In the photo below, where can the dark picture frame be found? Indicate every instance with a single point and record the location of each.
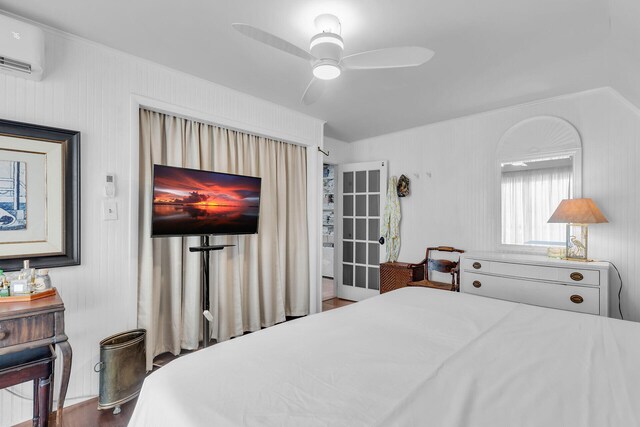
(69, 141)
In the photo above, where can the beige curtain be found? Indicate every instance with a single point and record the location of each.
(254, 284)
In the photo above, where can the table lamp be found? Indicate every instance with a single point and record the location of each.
(577, 214)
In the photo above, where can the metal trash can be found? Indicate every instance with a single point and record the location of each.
(122, 368)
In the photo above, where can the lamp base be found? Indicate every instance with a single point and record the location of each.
(577, 242)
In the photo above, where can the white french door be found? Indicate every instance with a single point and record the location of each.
(361, 192)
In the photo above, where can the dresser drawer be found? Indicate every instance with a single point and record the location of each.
(479, 265)
(579, 276)
(564, 297)
(26, 329)
(537, 272)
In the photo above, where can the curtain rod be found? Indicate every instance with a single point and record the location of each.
(326, 153)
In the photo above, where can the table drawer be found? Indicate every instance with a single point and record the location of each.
(538, 272)
(564, 297)
(26, 329)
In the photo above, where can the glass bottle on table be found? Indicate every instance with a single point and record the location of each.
(4, 287)
(25, 273)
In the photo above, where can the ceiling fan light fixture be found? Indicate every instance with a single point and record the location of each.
(326, 38)
(325, 54)
(327, 23)
(326, 71)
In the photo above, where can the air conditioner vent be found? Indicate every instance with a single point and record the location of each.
(22, 50)
(12, 64)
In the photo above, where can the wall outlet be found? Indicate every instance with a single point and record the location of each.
(109, 210)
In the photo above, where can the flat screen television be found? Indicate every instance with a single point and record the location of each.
(191, 202)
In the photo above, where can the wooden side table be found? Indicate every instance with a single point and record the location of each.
(396, 275)
(32, 325)
(31, 365)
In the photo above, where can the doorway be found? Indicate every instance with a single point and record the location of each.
(329, 185)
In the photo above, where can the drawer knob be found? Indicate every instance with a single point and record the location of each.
(477, 265)
(576, 299)
(476, 284)
(576, 276)
(3, 334)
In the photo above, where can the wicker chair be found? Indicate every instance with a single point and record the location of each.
(442, 266)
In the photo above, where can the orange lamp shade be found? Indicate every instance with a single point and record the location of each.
(577, 211)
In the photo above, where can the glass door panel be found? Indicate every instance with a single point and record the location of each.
(362, 194)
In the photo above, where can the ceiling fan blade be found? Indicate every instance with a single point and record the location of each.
(314, 91)
(393, 57)
(273, 41)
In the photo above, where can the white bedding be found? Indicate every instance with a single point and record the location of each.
(411, 357)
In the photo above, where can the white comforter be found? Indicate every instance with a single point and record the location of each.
(411, 357)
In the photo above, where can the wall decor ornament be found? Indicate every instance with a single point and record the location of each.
(39, 196)
(403, 186)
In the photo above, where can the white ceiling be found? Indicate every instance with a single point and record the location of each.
(489, 53)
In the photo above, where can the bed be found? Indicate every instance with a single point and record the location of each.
(411, 357)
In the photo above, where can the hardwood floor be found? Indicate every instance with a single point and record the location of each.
(332, 303)
(86, 414)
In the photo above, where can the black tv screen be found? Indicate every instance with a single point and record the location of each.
(190, 202)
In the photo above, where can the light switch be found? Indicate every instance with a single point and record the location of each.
(109, 210)
(110, 185)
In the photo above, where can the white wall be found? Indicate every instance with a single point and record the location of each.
(337, 150)
(89, 87)
(454, 188)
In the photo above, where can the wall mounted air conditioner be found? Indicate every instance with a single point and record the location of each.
(21, 49)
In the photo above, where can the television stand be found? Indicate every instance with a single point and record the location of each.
(205, 248)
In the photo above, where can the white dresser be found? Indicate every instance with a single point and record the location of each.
(537, 280)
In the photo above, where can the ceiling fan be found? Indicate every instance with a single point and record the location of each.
(326, 57)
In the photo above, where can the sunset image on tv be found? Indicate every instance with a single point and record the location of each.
(195, 202)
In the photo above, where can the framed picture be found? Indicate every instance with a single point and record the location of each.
(39, 196)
